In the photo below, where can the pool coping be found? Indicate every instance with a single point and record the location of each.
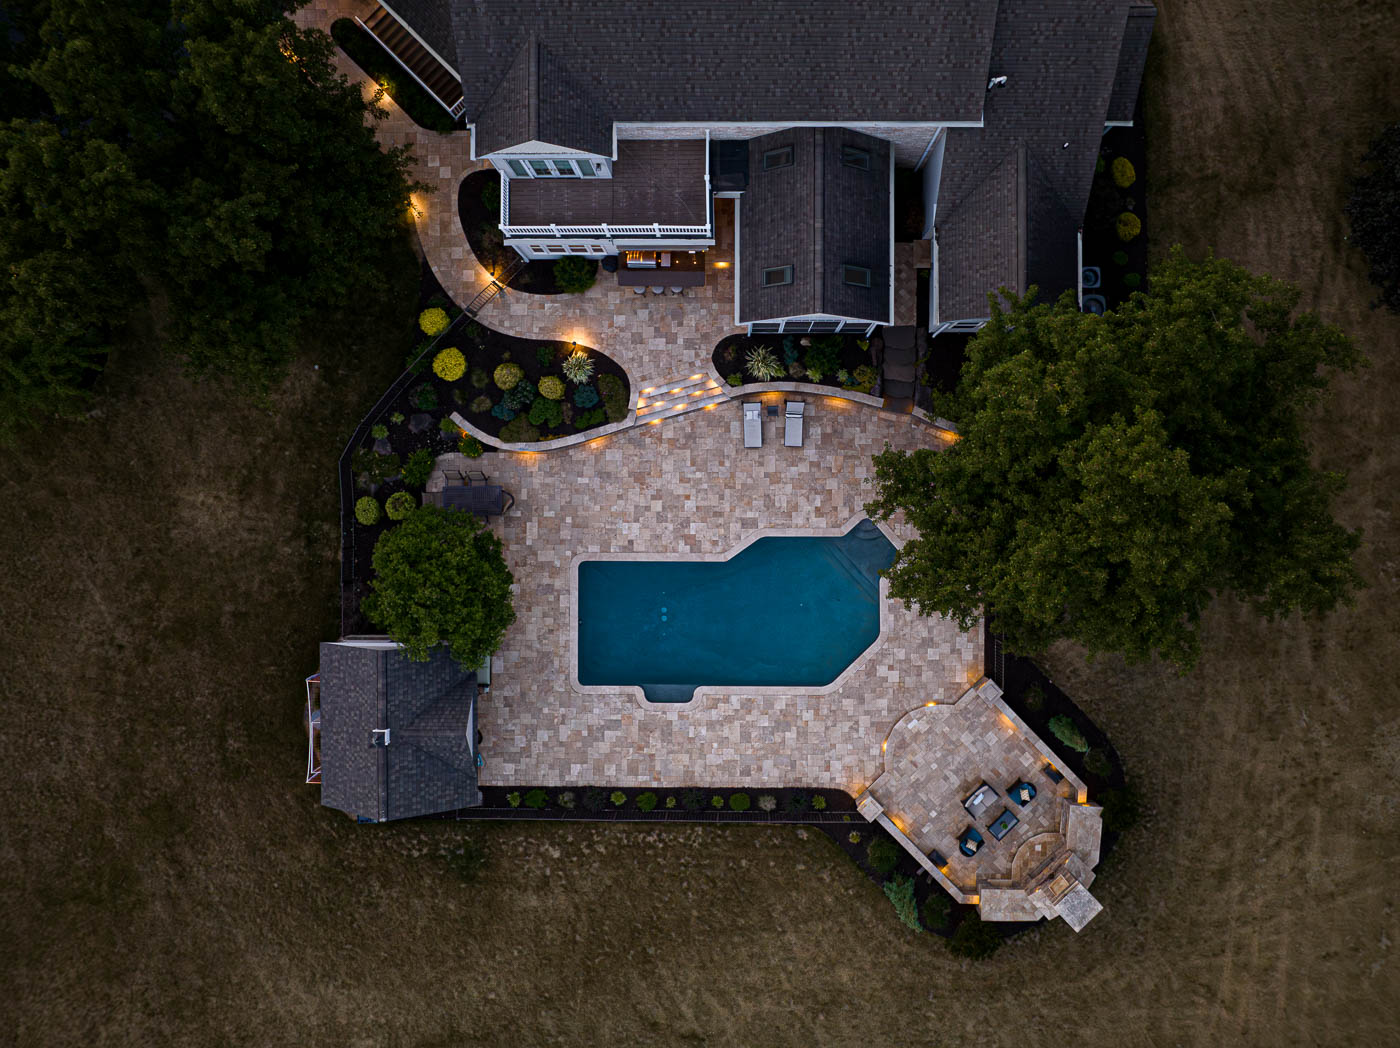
(704, 692)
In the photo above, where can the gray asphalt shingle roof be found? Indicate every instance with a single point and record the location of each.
(714, 60)
(429, 707)
(816, 215)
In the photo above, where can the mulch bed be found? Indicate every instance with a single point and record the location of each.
(366, 52)
(729, 357)
(595, 802)
(1106, 203)
(478, 210)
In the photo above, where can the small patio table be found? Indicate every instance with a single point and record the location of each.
(486, 500)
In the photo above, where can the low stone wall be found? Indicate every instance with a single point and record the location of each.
(546, 445)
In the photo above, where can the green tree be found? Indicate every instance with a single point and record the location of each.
(440, 578)
(199, 158)
(1115, 472)
(1374, 211)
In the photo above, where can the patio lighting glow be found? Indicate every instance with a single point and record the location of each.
(721, 265)
(694, 377)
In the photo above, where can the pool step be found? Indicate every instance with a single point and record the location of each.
(679, 396)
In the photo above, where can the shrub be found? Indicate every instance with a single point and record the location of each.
(844, 377)
(470, 447)
(433, 321)
(513, 799)
(1128, 226)
(1099, 165)
(547, 413)
(796, 371)
(1123, 173)
(716, 801)
(552, 387)
(900, 891)
(853, 836)
(480, 405)
(589, 418)
(797, 802)
(735, 379)
(692, 800)
(446, 425)
(974, 939)
(618, 798)
(418, 468)
(574, 276)
(536, 799)
(585, 397)
(565, 800)
(520, 397)
(646, 801)
(367, 510)
(519, 431)
(1120, 808)
(594, 799)
(396, 418)
(767, 802)
(789, 350)
(739, 801)
(815, 374)
(1097, 763)
(762, 364)
(1120, 258)
(379, 431)
(378, 468)
(1033, 698)
(670, 801)
(449, 364)
(503, 411)
(425, 398)
(614, 397)
(399, 505)
(507, 376)
(578, 367)
(824, 354)
(882, 854)
(544, 356)
(1064, 729)
(1374, 212)
(819, 803)
(479, 378)
(863, 380)
(938, 907)
(1132, 279)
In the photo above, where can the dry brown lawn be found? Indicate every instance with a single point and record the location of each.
(170, 567)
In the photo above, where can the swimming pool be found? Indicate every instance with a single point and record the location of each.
(782, 611)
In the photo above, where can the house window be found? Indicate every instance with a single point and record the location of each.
(799, 327)
(823, 326)
(541, 168)
(765, 328)
(777, 275)
(579, 249)
(518, 168)
(856, 276)
(565, 168)
(776, 158)
(586, 168)
(852, 156)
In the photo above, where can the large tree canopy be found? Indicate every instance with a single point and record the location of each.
(440, 579)
(1115, 472)
(203, 154)
(1374, 210)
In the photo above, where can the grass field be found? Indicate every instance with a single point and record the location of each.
(170, 567)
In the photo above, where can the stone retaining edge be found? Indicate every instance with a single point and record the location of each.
(546, 445)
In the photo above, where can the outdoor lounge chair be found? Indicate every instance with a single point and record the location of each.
(753, 424)
(792, 424)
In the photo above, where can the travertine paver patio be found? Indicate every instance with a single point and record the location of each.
(689, 486)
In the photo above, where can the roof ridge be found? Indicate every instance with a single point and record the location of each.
(962, 201)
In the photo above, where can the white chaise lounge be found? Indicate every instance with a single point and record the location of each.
(753, 424)
(792, 424)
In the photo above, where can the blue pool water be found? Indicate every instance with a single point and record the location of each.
(784, 611)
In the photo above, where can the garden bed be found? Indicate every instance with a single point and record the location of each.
(479, 212)
(842, 362)
(367, 53)
(1122, 264)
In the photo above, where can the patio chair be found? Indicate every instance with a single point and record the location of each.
(792, 424)
(753, 424)
(969, 842)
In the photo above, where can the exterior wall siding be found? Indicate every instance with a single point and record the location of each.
(908, 141)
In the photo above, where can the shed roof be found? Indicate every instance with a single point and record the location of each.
(429, 708)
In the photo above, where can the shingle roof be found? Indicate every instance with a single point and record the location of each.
(712, 60)
(815, 215)
(539, 99)
(1132, 58)
(429, 708)
(432, 20)
(652, 181)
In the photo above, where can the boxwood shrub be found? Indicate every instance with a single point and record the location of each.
(367, 510)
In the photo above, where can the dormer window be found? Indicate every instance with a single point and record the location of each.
(777, 276)
(776, 158)
(856, 276)
(851, 156)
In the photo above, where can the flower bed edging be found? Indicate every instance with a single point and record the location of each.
(547, 445)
